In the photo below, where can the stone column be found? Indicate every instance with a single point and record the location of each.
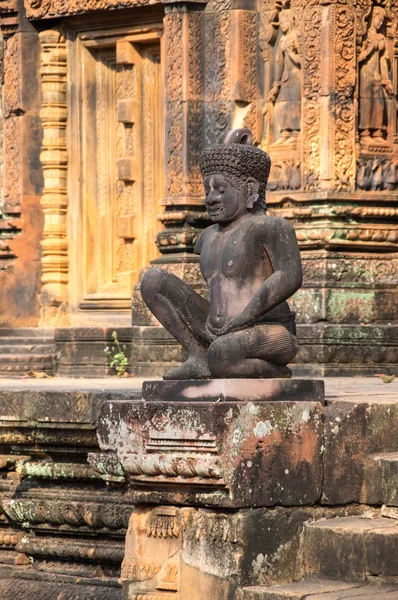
(21, 182)
(54, 158)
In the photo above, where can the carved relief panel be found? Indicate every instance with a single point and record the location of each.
(116, 112)
(281, 43)
(377, 95)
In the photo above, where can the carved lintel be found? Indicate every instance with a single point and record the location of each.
(46, 9)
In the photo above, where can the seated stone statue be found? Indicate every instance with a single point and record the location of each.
(251, 264)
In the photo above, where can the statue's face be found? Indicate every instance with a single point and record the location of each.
(224, 203)
(378, 19)
(284, 22)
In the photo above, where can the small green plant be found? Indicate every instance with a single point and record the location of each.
(117, 358)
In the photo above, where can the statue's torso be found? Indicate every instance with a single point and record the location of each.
(371, 68)
(234, 263)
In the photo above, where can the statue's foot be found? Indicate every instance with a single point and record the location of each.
(281, 372)
(193, 368)
(284, 137)
(366, 140)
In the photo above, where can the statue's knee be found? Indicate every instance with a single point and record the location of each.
(222, 355)
(151, 283)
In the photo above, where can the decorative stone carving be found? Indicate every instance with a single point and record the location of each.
(246, 329)
(42, 9)
(244, 433)
(54, 158)
(286, 89)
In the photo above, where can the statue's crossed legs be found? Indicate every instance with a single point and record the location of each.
(262, 350)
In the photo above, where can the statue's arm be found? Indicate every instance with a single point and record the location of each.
(281, 245)
(366, 50)
(274, 92)
(385, 73)
(293, 52)
(199, 243)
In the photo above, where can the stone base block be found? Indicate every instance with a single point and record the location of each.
(218, 447)
(188, 553)
(235, 390)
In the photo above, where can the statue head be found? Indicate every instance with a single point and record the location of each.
(286, 20)
(235, 176)
(378, 17)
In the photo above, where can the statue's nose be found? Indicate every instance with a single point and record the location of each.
(211, 198)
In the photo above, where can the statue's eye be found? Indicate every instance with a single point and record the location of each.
(221, 190)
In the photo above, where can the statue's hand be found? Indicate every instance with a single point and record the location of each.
(389, 89)
(272, 96)
(237, 324)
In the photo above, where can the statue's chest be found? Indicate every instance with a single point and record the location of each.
(231, 255)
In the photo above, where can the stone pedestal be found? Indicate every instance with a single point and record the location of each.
(206, 463)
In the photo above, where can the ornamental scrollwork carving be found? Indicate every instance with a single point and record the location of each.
(39, 9)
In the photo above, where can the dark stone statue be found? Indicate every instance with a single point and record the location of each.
(251, 264)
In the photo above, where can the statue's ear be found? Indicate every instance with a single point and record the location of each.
(252, 192)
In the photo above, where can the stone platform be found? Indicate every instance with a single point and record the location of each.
(63, 524)
(227, 443)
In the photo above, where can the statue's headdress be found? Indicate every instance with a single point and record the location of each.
(238, 160)
(379, 10)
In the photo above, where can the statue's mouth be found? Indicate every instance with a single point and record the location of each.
(215, 210)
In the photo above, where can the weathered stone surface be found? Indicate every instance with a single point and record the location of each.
(61, 528)
(216, 453)
(80, 350)
(202, 553)
(354, 549)
(235, 390)
(354, 433)
(25, 585)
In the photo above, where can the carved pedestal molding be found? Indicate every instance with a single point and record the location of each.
(54, 158)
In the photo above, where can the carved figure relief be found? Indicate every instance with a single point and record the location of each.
(282, 54)
(375, 86)
(286, 90)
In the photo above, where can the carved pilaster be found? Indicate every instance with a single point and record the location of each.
(183, 25)
(54, 158)
(343, 108)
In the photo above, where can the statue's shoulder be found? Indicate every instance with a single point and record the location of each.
(203, 236)
(274, 224)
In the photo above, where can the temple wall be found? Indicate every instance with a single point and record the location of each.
(105, 112)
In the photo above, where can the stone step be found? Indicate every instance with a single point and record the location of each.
(32, 347)
(355, 431)
(352, 549)
(380, 479)
(28, 332)
(19, 341)
(320, 590)
(14, 365)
